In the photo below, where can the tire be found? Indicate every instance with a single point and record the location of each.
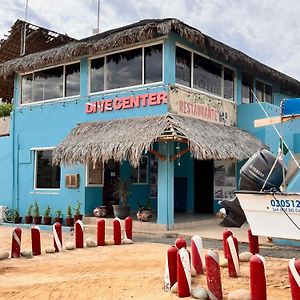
(8, 216)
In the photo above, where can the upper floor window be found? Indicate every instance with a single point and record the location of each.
(127, 68)
(264, 92)
(183, 66)
(206, 74)
(247, 87)
(52, 83)
(47, 176)
(140, 174)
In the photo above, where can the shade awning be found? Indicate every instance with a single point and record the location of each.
(127, 139)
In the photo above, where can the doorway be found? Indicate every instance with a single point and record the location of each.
(204, 186)
(111, 175)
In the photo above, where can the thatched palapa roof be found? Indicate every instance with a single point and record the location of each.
(143, 31)
(127, 139)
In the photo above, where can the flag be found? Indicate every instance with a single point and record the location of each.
(283, 146)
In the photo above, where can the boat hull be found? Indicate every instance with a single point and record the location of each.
(271, 214)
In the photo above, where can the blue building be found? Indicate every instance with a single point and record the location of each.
(156, 102)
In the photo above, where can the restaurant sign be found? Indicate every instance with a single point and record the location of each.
(131, 102)
(202, 106)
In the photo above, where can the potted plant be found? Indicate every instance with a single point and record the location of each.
(37, 219)
(47, 216)
(77, 214)
(69, 218)
(16, 216)
(121, 193)
(144, 213)
(58, 216)
(28, 217)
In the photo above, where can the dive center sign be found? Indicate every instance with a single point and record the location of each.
(131, 102)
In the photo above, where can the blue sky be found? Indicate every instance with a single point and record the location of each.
(266, 30)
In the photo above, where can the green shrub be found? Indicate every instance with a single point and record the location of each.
(5, 109)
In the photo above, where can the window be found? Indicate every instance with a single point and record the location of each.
(72, 80)
(247, 86)
(183, 66)
(27, 88)
(264, 92)
(153, 64)
(48, 84)
(207, 75)
(97, 75)
(228, 84)
(52, 83)
(140, 174)
(94, 174)
(124, 69)
(47, 176)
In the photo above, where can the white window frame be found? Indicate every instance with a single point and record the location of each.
(222, 75)
(36, 150)
(147, 173)
(87, 184)
(49, 100)
(143, 84)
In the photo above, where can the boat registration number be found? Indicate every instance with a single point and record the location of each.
(286, 205)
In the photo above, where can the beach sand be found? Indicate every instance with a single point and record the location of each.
(111, 272)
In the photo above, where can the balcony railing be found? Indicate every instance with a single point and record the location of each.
(4, 126)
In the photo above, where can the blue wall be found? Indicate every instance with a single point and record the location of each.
(6, 171)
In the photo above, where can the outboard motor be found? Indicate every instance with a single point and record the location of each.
(253, 175)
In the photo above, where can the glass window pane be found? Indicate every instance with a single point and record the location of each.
(260, 90)
(27, 88)
(95, 173)
(124, 69)
(183, 66)
(97, 75)
(72, 80)
(47, 176)
(228, 84)
(134, 175)
(246, 89)
(153, 63)
(48, 84)
(207, 75)
(143, 178)
(268, 93)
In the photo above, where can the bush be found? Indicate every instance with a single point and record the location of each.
(5, 109)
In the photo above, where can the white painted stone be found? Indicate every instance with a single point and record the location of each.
(26, 253)
(70, 246)
(50, 250)
(174, 288)
(4, 255)
(223, 262)
(245, 256)
(90, 243)
(239, 294)
(199, 293)
(127, 241)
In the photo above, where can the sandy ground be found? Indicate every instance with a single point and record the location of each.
(111, 272)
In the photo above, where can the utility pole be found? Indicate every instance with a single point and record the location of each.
(23, 36)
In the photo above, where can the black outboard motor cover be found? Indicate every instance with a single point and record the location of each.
(252, 177)
(256, 170)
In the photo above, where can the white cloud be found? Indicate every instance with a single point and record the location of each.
(266, 30)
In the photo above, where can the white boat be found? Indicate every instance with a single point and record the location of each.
(269, 211)
(272, 214)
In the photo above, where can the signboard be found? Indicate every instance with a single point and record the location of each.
(130, 102)
(199, 105)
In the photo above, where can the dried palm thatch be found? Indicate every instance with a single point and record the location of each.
(144, 31)
(127, 139)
